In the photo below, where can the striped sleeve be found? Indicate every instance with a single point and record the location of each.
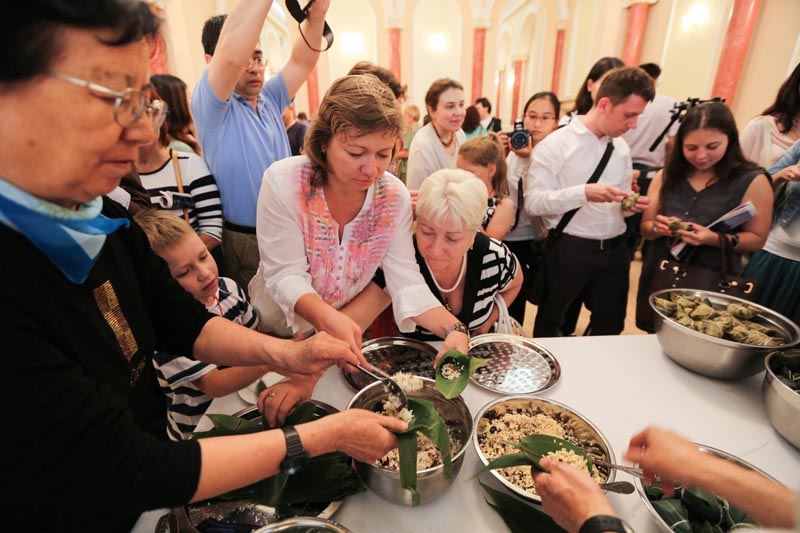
(198, 181)
(234, 305)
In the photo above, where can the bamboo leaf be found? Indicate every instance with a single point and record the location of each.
(674, 514)
(519, 516)
(426, 420)
(233, 425)
(505, 461)
(451, 388)
(701, 503)
(537, 446)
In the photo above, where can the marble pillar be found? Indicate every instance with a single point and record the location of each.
(478, 51)
(558, 56)
(634, 34)
(395, 44)
(734, 51)
(312, 84)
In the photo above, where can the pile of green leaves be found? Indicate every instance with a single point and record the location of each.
(519, 516)
(426, 420)
(450, 388)
(787, 368)
(693, 510)
(325, 478)
(532, 448)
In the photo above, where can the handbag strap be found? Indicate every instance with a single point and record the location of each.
(179, 180)
(598, 171)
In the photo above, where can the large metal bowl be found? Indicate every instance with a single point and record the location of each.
(662, 525)
(782, 403)
(713, 357)
(315, 525)
(431, 482)
(584, 432)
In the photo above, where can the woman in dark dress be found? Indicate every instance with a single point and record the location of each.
(705, 176)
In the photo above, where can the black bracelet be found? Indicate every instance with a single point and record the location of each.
(734, 240)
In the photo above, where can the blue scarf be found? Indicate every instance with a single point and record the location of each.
(72, 240)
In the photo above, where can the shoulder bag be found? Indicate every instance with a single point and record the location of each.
(536, 289)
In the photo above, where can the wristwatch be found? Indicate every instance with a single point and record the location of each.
(603, 522)
(296, 456)
(460, 327)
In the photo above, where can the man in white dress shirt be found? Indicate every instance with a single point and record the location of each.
(490, 123)
(590, 257)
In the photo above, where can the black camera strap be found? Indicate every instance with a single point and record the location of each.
(598, 171)
(298, 14)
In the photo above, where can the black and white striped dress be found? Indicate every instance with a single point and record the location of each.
(206, 215)
(490, 268)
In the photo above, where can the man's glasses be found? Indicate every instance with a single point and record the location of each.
(257, 62)
(129, 104)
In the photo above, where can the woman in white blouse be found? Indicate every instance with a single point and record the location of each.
(328, 220)
(436, 144)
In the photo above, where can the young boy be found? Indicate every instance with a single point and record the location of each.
(191, 385)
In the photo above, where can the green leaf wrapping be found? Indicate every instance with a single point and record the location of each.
(674, 514)
(701, 504)
(325, 478)
(451, 388)
(519, 516)
(537, 446)
(426, 420)
(505, 461)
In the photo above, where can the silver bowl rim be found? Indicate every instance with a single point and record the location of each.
(639, 483)
(303, 521)
(380, 342)
(527, 342)
(793, 331)
(771, 372)
(453, 458)
(514, 488)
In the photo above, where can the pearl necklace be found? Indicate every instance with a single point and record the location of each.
(458, 281)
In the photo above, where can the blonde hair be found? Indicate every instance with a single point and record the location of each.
(413, 111)
(357, 105)
(163, 229)
(453, 197)
(485, 150)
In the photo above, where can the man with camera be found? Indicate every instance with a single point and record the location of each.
(577, 181)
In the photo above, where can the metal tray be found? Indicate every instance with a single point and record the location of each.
(582, 432)
(395, 354)
(517, 365)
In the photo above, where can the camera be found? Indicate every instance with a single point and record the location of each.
(520, 136)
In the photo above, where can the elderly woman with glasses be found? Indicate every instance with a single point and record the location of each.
(88, 302)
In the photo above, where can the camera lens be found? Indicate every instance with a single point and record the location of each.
(519, 139)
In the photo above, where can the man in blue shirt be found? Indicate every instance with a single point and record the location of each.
(238, 117)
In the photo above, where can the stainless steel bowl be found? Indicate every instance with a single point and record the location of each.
(782, 403)
(663, 526)
(304, 523)
(431, 482)
(713, 357)
(588, 436)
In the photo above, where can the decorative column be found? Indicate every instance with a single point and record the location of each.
(157, 44)
(634, 34)
(737, 40)
(394, 51)
(313, 93)
(501, 80)
(478, 50)
(519, 63)
(558, 57)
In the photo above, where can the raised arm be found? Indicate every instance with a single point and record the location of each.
(303, 58)
(236, 43)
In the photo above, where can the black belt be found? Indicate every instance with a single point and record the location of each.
(237, 228)
(598, 244)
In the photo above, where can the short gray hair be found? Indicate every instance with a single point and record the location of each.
(453, 197)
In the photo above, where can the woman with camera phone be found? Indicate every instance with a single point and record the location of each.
(539, 119)
(436, 144)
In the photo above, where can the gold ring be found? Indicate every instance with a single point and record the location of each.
(270, 394)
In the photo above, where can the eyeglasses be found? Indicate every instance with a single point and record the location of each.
(258, 63)
(129, 104)
(541, 118)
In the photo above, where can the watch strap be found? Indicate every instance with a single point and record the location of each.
(460, 327)
(295, 453)
(603, 522)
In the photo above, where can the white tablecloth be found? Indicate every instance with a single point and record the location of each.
(621, 384)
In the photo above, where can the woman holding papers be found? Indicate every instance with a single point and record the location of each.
(705, 177)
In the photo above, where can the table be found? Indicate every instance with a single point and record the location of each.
(621, 384)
